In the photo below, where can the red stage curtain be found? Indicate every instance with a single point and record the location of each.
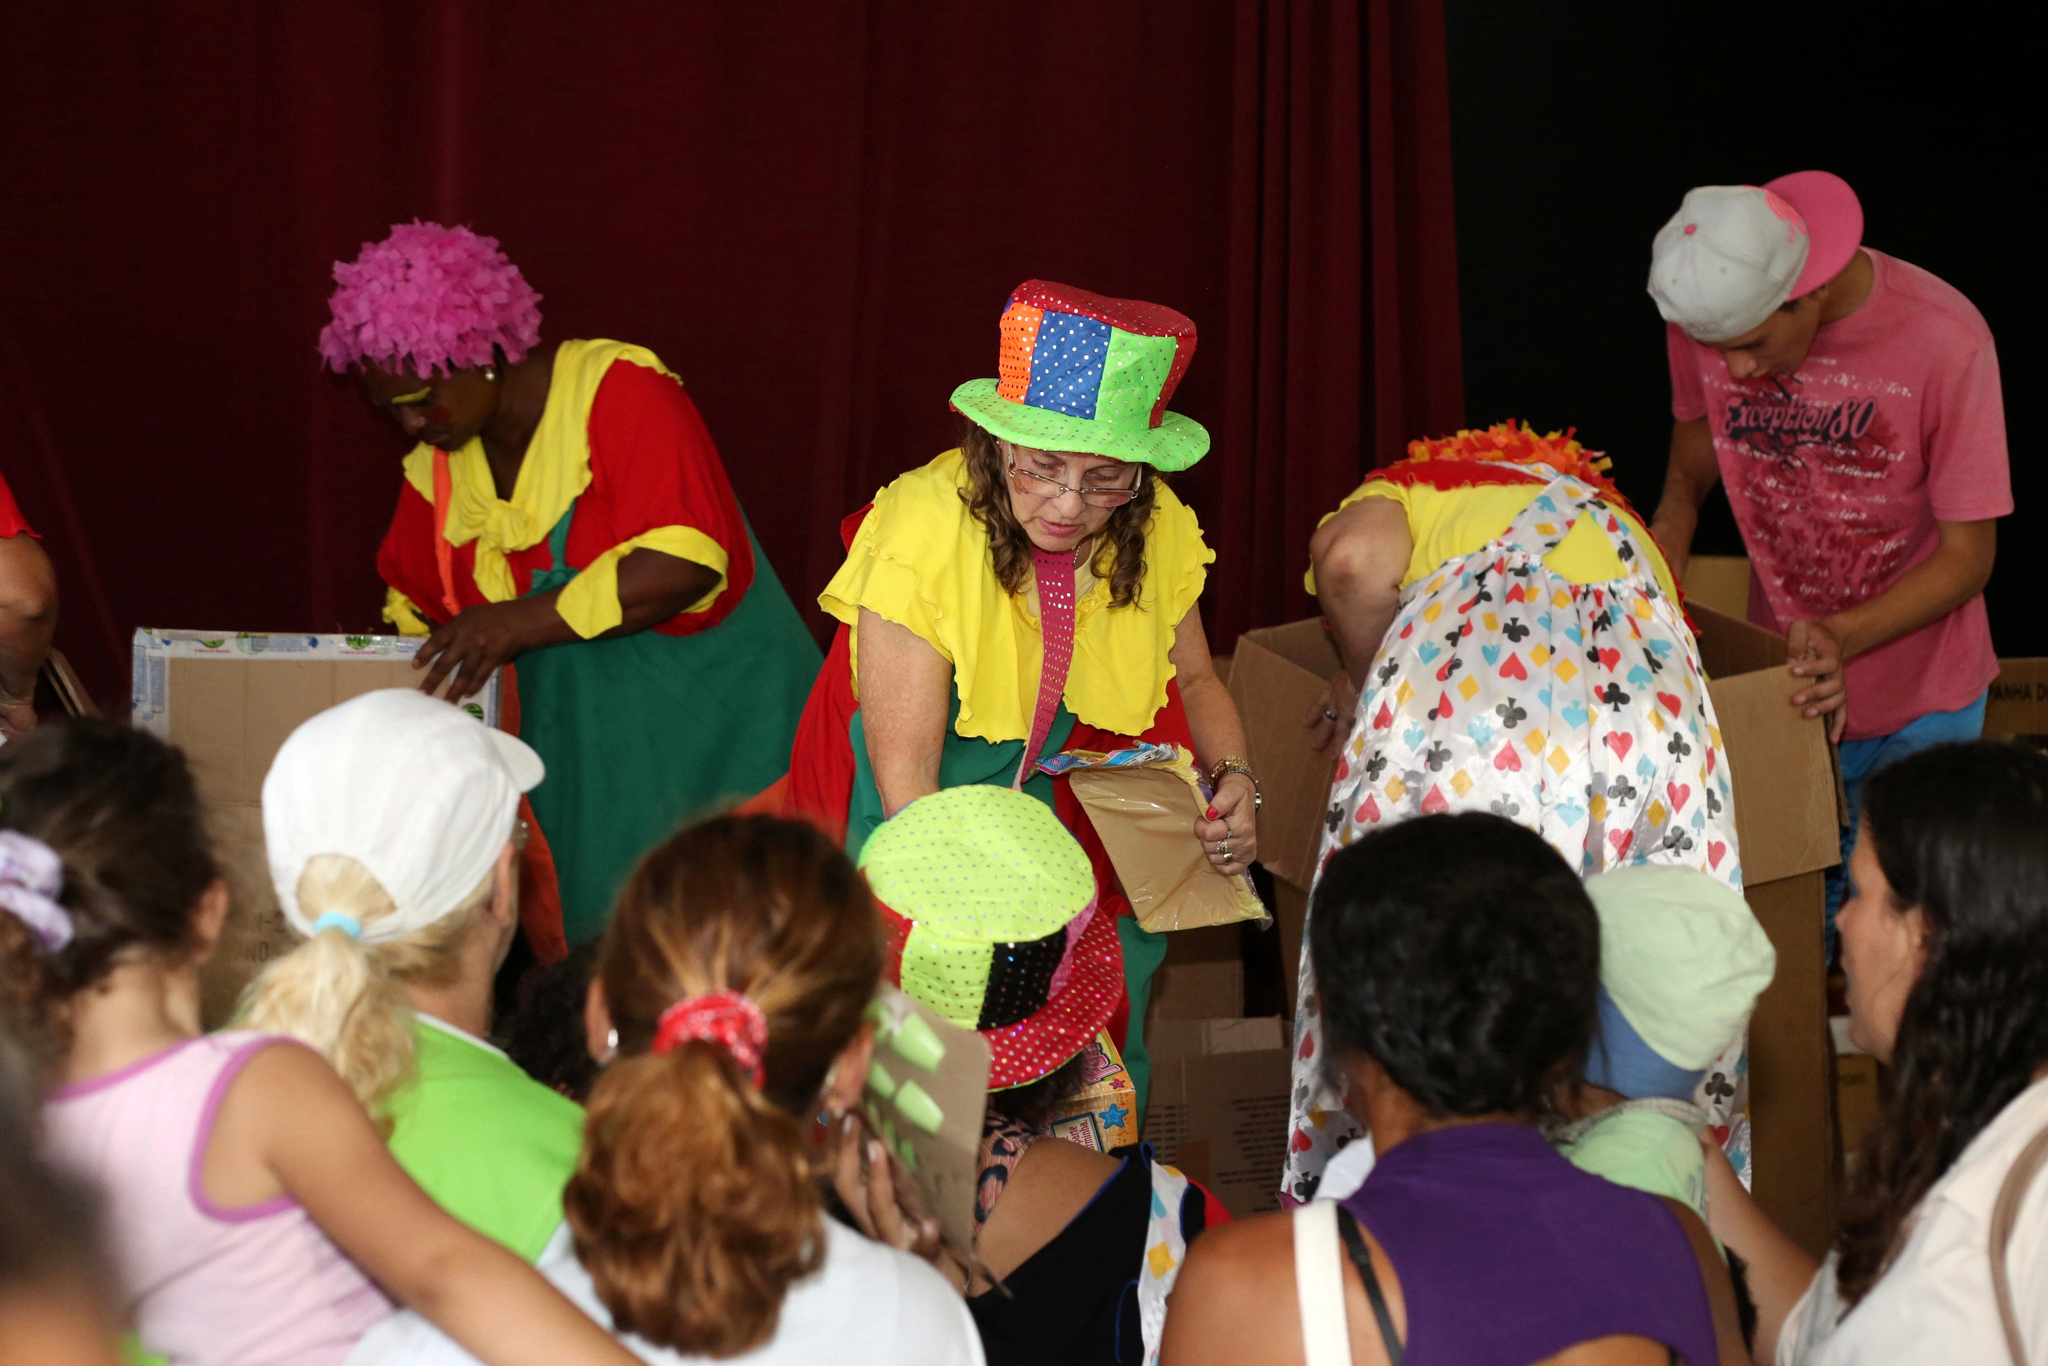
(812, 211)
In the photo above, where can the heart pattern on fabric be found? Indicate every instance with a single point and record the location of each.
(1578, 711)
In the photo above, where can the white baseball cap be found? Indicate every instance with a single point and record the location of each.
(416, 790)
(1727, 260)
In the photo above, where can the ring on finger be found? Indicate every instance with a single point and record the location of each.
(1329, 715)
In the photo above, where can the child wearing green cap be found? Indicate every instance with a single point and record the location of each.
(1682, 961)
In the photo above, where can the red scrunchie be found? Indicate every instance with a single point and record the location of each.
(728, 1018)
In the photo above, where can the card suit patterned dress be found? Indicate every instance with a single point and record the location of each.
(1576, 709)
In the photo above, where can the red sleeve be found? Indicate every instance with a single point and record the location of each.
(1688, 399)
(1969, 475)
(12, 523)
(406, 559)
(652, 464)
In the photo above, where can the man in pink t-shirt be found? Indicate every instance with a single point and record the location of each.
(1851, 403)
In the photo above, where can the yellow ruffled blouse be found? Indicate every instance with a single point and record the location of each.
(922, 560)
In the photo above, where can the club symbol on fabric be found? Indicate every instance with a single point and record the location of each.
(1620, 791)
(1375, 766)
(1677, 841)
(1387, 672)
(1677, 746)
(1719, 1088)
(1510, 714)
(1505, 808)
(1713, 802)
(1514, 629)
(1437, 756)
(1613, 696)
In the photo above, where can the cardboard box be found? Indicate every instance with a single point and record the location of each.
(1218, 1108)
(1202, 977)
(1787, 812)
(1788, 816)
(1276, 675)
(229, 700)
(1719, 583)
(2019, 699)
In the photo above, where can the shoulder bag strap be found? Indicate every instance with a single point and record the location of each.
(1319, 1285)
(2004, 1215)
(1361, 1257)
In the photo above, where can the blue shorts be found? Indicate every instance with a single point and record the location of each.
(1861, 758)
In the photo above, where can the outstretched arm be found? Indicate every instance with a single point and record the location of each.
(290, 1110)
(28, 619)
(1688, 479)
(905, 685)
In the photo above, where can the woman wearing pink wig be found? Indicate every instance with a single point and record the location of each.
(564, 506)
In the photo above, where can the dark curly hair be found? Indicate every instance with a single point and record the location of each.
(1959, 833)
(1462, 955)
(1119, 555)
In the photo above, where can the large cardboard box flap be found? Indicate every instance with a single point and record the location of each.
(1276, 675)
(229, 699)
(2018, 704)
(1787, 813)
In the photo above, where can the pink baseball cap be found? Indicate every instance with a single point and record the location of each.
(1834, 223)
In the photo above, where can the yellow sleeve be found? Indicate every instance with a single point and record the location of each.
(399, 611)
(1371, 488)
(921, 560)
(590, 601)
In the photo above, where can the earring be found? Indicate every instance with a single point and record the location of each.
(611, 1045)
(491, 373)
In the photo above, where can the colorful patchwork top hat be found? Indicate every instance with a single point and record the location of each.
(1081, 372)
(989, 907)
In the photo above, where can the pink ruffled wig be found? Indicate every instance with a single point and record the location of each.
(432, 297)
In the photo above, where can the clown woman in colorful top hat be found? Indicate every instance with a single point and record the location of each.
(565, 507)
(1034, 591)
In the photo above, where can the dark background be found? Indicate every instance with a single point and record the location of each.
(1577, 128)
(812, 210)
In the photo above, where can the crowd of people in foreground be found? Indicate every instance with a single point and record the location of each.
(351, 1173)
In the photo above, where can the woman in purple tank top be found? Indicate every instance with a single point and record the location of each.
(1457, 962)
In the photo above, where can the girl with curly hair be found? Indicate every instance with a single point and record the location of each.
(1032, 591)
(564, 507)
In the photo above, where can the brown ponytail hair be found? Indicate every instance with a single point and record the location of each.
(119, 809)
(693, 1206)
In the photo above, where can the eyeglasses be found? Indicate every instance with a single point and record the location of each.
(1024, 481)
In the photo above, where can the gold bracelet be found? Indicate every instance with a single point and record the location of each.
(1231, 763)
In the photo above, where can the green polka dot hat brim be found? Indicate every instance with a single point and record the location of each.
(990, 917)
(1083, 372)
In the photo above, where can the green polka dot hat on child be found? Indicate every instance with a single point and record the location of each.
(1080, 372)
(989, 910)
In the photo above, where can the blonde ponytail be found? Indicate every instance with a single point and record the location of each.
(694, 1206)
(347, 999)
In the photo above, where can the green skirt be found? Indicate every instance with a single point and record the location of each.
(645, 732)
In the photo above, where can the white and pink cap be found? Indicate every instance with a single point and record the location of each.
(1733, 254)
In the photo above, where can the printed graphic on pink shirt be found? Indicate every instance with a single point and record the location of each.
(1838, 473)
(1821, 479)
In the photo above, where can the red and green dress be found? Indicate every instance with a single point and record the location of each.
(642, 731)
(917, 557)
